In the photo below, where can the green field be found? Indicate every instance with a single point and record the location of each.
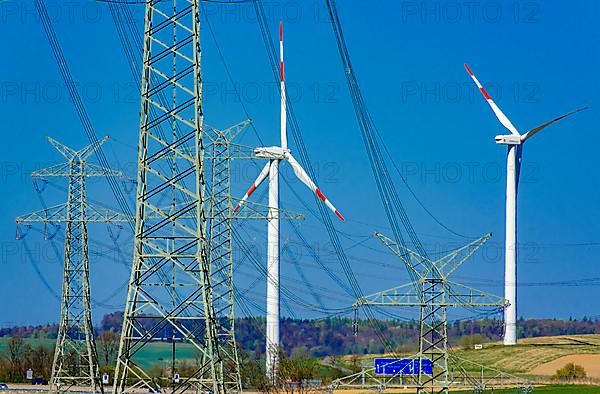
(159, 353)
(568, 389)
(30, 341)
(156, 353)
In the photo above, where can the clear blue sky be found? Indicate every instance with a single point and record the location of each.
(538, 59)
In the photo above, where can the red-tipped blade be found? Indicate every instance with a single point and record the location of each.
(261, 177)
(280, 31)
(499, 114)
(304, 178)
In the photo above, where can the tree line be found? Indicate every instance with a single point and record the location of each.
(303, 340)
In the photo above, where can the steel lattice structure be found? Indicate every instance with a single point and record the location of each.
(170, 294)
(75, 358)
(220, 152)
(220, 251)
(432, 292)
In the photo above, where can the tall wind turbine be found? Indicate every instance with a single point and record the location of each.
(514, 141)
(275, 154)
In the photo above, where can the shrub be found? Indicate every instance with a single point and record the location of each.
(570, 372)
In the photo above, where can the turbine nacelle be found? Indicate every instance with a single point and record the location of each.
(271, 153)
(508, 139)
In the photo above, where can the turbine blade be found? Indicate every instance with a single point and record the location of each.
(499, 114)
(541, 127)
(261, 177)
(283, 114)
(303, 176)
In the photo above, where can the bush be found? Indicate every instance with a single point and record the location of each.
(570, 372)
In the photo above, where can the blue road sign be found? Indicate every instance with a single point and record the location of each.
(402, 366)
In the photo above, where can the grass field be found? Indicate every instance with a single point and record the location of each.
(156, 353)
(532, 352)
(32, 342)
(520, 359)
(160, 353)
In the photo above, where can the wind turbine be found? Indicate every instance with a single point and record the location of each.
(514, 142)
(276, 154)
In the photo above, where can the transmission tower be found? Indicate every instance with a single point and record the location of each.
(220, 250)
(221, 151)
(170, 294)
(75, 358)
(432, 292)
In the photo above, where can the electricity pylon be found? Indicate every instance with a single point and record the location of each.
(221, 151)
(170, 293)
(75, 358)
(432, 292)
(220, 251)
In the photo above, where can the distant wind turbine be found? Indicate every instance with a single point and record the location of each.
(514, 142)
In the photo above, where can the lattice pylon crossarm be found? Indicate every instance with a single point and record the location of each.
(225, 136)
(458, 295)
(59, 214)
(416, 264)
(86, 152)
(454, 259)
(399, 295)
(67, 152)
(236, 151)
(80, 155)
(257, 211)
(88, 170)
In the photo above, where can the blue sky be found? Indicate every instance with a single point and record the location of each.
(538, 60)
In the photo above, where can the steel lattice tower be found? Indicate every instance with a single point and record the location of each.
(220, 247)
(432, 292)
(221, 151)
(170, 295)
(75, 358)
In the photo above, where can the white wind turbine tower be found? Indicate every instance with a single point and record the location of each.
(275, 154)
(514, 141)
